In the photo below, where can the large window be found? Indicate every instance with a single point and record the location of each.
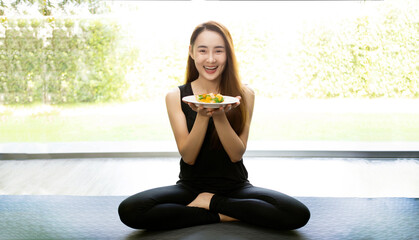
(324, 73)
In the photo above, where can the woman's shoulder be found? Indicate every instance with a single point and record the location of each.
(249, 93)
(173, 94)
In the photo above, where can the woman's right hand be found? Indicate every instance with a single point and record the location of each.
(200, 110)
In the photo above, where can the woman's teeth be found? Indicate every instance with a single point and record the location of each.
(210, 68)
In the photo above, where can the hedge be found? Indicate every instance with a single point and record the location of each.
(371, 56)
(69, 59)
(57, 60)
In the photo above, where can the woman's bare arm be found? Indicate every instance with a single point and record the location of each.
(189, 144)
(235, 145)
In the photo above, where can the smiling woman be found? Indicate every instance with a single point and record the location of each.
(213, 185)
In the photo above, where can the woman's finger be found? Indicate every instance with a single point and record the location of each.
(193, 107)
(237, 103)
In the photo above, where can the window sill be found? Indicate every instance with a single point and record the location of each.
(297, 149)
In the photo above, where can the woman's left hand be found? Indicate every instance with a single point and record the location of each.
(221, 110)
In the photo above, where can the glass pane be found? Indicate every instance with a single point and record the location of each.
(323, 72)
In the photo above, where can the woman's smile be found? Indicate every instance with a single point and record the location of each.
(210, 70)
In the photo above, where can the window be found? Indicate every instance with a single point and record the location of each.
(327, 75)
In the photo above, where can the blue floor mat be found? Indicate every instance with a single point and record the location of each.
(95, 217)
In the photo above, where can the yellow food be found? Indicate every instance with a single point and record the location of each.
(210, 98)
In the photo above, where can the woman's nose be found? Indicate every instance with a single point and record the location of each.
(211, 58)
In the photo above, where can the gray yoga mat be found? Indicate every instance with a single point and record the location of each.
(95, 217)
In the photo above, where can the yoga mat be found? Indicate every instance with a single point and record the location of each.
(95, 217)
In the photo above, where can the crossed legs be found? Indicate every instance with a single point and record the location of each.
(176, 207)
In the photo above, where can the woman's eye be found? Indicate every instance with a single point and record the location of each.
(201, 51)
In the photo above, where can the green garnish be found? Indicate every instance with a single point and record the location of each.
(219, 100)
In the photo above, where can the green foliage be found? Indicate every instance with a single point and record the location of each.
(58, 60)
(51, 8)
(369, 57)
(66, 59)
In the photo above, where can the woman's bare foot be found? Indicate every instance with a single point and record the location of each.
(225, 218)
(202, 200)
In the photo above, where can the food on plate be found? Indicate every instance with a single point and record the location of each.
(210, 98)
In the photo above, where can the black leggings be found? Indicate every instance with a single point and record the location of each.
(165, 208)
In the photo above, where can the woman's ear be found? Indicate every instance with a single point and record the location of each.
(191, 52)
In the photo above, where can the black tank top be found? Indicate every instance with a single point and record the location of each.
(213, 170)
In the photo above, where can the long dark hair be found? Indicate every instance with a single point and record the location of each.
(230, 84)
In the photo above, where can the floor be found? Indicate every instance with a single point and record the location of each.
(326, 177)
(96, 218)
(375, 198)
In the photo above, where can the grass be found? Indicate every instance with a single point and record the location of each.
(80, 128)
(89, 122)
(373, 127)
(139, 122)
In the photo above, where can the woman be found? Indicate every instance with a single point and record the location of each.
(213, 185)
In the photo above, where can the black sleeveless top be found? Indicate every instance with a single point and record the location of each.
(213, 170)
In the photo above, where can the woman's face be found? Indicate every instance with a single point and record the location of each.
(209, 54)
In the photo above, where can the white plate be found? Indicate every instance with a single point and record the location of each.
(227, 100)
